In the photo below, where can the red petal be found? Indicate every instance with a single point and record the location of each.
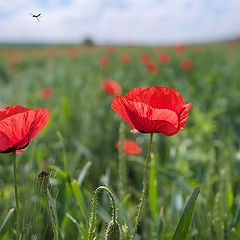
(119, 107)
(158, 97)
(134, 130)
(17, 130)
(12, 110)
(183, 116)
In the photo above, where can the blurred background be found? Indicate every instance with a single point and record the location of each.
(73, 59)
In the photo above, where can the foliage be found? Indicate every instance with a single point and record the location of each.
(79, 142)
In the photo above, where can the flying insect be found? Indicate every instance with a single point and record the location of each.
(36, 16)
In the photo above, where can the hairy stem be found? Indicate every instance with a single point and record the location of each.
(16, 191)
(93, 215)
(145, 181)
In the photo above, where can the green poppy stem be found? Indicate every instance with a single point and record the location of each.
(93, 215)
(145, 182)
(16, 191)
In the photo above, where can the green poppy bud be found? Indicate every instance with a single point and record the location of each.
(113, 231)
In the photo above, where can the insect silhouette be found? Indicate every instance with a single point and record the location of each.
(36, 16)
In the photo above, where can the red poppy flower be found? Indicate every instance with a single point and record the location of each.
(103, 61)
(233, 43)
(45, 93)
(154, 109)
(19, 125)
(73, 52)
(110, 49)
(186, 64)
(51, 52)
(125, 58)
(163, 58)
(145, 58)
(130, 147)
(111, 87)
(179, 48)
(152, 67)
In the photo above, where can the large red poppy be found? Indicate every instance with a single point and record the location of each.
(130, 147)
(19, 125)
(154, 109)
(111, 87)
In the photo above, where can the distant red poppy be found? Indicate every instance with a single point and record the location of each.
(130, 147)
(145, 58)
(158, 48)
(125, 58)
(45, 93)
(179, 48)
(111, 87)
(196, 48)
(164, 57)
(152, 67)
(186, 64)
(131, 47)
(103, 61)
(233, 43)
(153, 109)
(38, 54)
(19, 125)
(51, 52)
(14, 56)
(72, 52)
(110, 49)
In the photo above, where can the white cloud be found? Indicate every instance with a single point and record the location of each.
(140, 21)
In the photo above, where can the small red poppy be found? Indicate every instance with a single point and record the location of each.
(103, 61)
(152, 67)
(164, 57)
(179, 48)
(111, 87)
(186, 64)
(110, 49)
(51, 53)
(233, 43)
(145, 58)
(130, 147)
(125, 58)
(19, 125)
(45, 93)
(153, 109)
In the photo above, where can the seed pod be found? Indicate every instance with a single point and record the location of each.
(44, 180)
(113, 231)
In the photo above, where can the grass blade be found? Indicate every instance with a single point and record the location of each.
(80, 200)
(83, 172)
(6, 224)
(186, 218)
(79, 227)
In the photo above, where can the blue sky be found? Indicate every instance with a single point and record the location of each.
(119, 21)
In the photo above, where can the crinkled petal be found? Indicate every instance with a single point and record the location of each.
(17, 130)
(184, 114)
(12, 110)
(119, 107)
(158, 97)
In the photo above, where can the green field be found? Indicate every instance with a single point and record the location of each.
(79, 141)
